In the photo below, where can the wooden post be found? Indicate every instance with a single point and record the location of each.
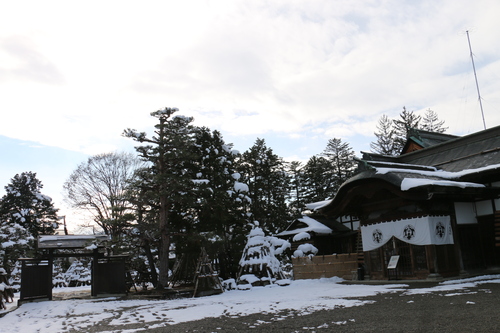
(50, 272)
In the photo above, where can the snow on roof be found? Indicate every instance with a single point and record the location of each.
(446, 177)
(317, 205)
(70, 241)
(409, 183)
(312, 226)
(397, 165)
(439, 173)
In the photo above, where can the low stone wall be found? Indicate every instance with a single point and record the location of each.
(342, 265)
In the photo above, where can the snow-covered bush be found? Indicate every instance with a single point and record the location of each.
(259, 265)
(305, 250)
(15, 241)
(78, 275)
(229, 284)
(6, 291)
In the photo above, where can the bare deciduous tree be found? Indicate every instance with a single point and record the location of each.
(98, 186)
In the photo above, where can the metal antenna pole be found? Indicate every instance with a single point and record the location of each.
(477, 84)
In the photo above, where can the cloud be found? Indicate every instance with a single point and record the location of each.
(21, 61)
(281, 68)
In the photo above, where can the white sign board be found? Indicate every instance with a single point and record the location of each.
(393, 262)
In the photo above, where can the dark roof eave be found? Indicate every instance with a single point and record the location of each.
(349, 190)
(465, 194)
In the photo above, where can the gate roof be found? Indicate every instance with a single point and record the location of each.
(72, 241)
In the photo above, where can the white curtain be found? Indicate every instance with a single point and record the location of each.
(427, 230)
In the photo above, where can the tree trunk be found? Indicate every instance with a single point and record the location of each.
(152, 267)
(164, 244)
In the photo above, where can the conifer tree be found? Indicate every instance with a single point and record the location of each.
(297, 199)
(25, 213)
(407, 121)
(385, 137)
(15, 242)
(259, 265)
(319, 183)
(221, 204)
(341, 158)
(170, 153)
(265, 174)
(25, 205)
(78, 274)
(431, 122)
(392, 134)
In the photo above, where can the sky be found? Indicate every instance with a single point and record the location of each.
(301, 297)
(74, 75)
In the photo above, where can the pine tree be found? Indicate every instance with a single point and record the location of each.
(408, 120)
(265, 174)
(319, 184)
(15, 242)
(221, 203)
(431, 122)
(385, 137)
(341, 158)
(25, 205)
(392, 134)
(170, 152)
(215, 179)
(78, 275)
(297, 186)
(25, 213)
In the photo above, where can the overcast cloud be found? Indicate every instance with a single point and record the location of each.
(296, 73)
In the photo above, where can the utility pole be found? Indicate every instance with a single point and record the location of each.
(477, 84)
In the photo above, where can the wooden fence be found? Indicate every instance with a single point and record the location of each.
(342, 265)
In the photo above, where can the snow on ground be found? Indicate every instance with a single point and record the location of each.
(301, 296)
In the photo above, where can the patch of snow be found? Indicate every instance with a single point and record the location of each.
(312, 225)
(303, 296)
(200, 181)
(440, 173)
(307, 249)
(317, 205)
(240, 187)
(301, 236)
(409, 183)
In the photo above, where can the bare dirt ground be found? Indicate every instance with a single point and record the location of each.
(475, 309)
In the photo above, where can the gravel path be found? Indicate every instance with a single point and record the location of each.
(475, 309)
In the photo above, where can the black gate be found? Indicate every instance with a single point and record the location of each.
(108, 273)
(108, 276)
(36, 279)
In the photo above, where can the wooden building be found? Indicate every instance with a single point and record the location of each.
(436, 205)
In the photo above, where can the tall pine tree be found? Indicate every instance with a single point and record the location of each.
(408, 120)
(25, 205)
(220, 209)
(266, 176)
(318, 181)
(25, 213)
(431, 122)
(341, 158)
(385, 137)
(170, 152)
(297, 200)
(392, 134)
